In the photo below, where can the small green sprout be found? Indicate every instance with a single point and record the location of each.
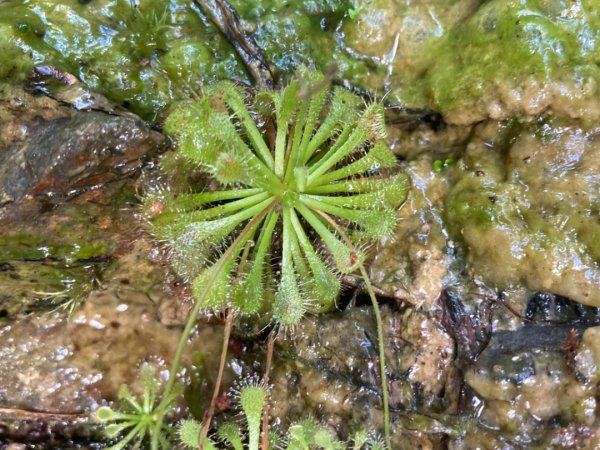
(251, 397)
(438, 164)
(231, 435)
(189, 434)
(139, 417)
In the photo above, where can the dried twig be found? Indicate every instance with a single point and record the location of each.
(226, 18)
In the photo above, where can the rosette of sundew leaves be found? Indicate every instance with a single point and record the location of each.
(286, 222)
(303, 183)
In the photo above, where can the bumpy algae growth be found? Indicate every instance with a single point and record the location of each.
(143, 53)
(472, 60)
(526, 205)
(148, 53)
(518, 57)
(304, 33)
(467, 59)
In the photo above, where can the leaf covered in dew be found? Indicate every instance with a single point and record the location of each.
(229, 169)
(377, 157)
(377, 226)
(325, 162)
(212, 285)
(231, 434)
(189, 432)
(104, 414)
(342, 111)
(372, 121)
(290, 304)
(252, 399)
(180, 117)
(324, 284)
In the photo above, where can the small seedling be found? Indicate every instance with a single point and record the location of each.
(139, 417)
(306, 434)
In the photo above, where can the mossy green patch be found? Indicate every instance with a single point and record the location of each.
(146, 54)
(38, 275)
(507, 44)
(142, 53)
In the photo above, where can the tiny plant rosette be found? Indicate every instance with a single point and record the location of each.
(303, 182)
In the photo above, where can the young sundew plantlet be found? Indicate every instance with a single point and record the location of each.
(304, 184)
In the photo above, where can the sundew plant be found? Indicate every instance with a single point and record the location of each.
(302, 183)
(294, 209)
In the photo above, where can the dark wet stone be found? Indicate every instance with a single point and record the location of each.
(547, 307)
(51, 149)
(531, 337)
(329, 368)
(6, 267)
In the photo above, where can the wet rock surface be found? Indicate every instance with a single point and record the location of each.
(48, 147)
(462, 355)
(341, 389)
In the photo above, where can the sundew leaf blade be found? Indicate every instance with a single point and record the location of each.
(342, 111)
(346, 259)
(212, 285)
(289, 306)
(361, 185)
(378, 157)
(325, 284)
(167, 202)
(233, 96)
(249, 295)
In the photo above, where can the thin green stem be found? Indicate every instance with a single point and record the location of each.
(185, 202)
(285, 106)
(292, 158)
(252, 211)
(286, 251)
(379, 157)
(130, 435)
(216, 211)
(316, 106)
(280, 143)
(340, 114)
(380, 341)
(355, 215)
(344, 255)
(265, 236)
(237, 104)
(340, 139)
(384, 382)
(356, 185)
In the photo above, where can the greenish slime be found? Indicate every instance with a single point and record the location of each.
(142, 55)
(38, 275)
(27, 247)
(147, 54)
(505, 41)
(525, 203)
